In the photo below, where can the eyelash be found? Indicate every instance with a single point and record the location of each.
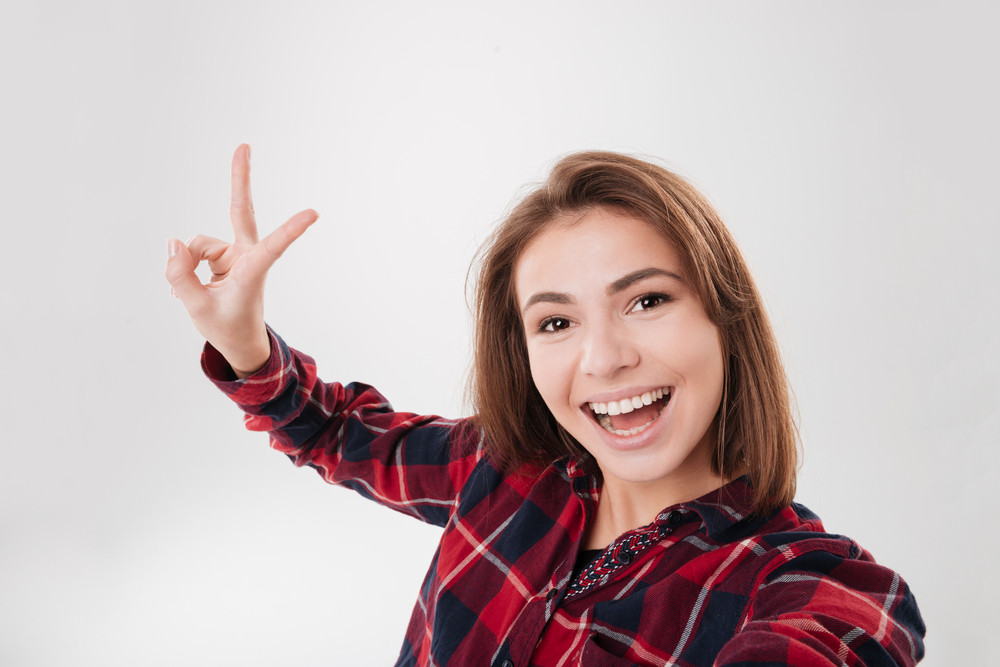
(659, 297)
(544, 325)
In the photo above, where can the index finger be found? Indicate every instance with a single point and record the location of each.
(241, 203)
(272, 246)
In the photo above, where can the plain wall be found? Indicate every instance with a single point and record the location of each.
(850, 146)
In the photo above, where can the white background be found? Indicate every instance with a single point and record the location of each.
(851, 147)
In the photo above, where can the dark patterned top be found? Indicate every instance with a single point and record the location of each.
(705, 584)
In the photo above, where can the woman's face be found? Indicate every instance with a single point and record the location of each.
(621, 349)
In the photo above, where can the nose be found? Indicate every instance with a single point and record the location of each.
(607, 349)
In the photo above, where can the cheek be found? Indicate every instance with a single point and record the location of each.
(703, 362)
(550, 376)
(713, 367)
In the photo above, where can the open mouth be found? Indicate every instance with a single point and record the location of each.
(631, 416)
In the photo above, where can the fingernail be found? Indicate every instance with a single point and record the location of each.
(173, 293)
(248, 153)
(171, 248)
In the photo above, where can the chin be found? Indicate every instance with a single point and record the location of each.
(655, 457)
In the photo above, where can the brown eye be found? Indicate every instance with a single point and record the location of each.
(650, 301)
(554, 324)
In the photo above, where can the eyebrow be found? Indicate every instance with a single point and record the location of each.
(616, 286)
(627, 281)
(548, 297)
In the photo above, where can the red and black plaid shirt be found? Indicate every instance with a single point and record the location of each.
(704, 584)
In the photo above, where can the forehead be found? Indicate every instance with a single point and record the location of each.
(599, 247)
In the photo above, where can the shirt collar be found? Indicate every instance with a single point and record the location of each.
(719, 510)
(724, 507)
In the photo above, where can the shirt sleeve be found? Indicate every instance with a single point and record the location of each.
(826, 602)
(351, 435)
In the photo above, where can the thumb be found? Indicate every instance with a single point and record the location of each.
(184, 282)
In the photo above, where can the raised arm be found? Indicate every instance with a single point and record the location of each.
(349, 434)
(229, 310)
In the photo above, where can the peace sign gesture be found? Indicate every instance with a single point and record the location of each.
(229, 310)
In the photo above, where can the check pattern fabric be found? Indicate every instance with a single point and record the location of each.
(706, 583)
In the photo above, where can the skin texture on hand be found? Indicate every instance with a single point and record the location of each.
(229, 310)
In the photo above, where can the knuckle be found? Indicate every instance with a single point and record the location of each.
(269, 246)
(172, 272)
(196, 308)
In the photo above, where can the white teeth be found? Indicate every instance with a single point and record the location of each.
(605, 411)
(627, 405)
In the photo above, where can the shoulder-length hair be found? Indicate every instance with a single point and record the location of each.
(757, 436)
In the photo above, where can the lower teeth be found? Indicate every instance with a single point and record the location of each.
(605, 422)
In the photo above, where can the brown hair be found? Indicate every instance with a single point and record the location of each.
(757, 434)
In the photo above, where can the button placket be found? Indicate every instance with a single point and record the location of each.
(618, 555)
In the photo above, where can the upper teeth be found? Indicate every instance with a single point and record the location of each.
(627, 405)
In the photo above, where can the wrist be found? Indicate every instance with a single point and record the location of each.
(247, 360)
(247, 369)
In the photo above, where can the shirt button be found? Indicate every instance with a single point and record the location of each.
(507, 663)
(675, 517)
(552, 593)
(624, 558)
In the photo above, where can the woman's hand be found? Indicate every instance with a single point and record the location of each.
(229, 310)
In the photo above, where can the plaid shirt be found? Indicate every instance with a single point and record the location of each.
(703, 584)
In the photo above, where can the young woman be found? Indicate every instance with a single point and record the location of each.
(624, 494)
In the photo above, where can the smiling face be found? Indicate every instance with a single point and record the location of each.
(622, 352)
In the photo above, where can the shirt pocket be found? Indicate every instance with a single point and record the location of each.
(596, 655)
